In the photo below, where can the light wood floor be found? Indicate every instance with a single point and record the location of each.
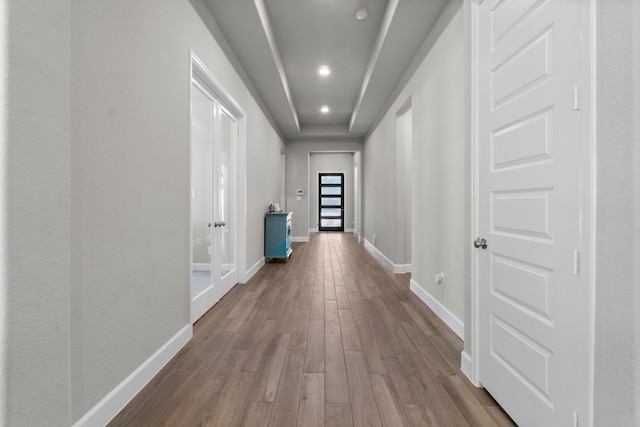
(330, 338)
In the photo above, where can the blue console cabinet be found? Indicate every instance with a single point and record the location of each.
(277, 235)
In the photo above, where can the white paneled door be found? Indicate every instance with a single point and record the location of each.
(533, 331)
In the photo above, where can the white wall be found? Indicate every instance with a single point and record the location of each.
(403, 192)
(331, 162)
(297, 177)
(130, 182)
(617, 352)
(440, 210)
(34, 213)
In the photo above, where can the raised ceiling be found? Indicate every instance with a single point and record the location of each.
(279, 45)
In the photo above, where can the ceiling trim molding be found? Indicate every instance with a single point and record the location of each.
(382, 35)
(434, 34)
(268, 30)
(206, 16)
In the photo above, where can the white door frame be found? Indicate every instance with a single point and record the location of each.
(200, 73)
(470, 363)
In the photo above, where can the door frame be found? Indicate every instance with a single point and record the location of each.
(200, 73)
(470, 358)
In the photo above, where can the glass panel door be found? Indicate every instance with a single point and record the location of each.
(331, 202)
(214, 186)
(202, 109)
(226, 201)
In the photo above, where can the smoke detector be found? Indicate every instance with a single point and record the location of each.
(361, 14)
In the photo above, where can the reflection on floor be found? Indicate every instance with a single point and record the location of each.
(200, 280)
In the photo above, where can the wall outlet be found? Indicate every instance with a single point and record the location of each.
(440, 279)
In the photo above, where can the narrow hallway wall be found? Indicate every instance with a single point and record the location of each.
(617, 309)
(35, 221)
(440, 164)
(130, 183)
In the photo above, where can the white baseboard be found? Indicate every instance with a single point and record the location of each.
(118, 398)
(200, 267)
(313, 230)
(254, 269)
(375, 251)
(402, 268)
(439, 309)
(466, 367)
(300, 239)
(396, 268)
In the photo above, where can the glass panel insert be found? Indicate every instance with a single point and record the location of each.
(330, 212)
(331, 179)
(330, 222)
(330, 201)
(226, 185)
(331, 191)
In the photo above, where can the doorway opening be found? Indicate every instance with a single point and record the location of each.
(216, 138)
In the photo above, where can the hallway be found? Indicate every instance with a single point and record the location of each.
(329, 338)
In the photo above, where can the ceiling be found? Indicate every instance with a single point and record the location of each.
(278, 46)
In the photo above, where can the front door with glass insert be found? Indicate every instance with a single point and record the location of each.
(331, 202)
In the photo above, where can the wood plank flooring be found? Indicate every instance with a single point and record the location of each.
(329, 338)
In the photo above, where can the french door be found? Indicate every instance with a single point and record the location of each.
(331, 202)
(533, 321)
(214, 201)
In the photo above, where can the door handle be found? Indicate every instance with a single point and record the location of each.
(480, 243)
(219, 224)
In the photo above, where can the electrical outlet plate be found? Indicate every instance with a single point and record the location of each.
(440, 279)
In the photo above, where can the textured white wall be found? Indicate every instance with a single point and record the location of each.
(357, 192)
(440, 173)
(379, 168)
(130, 181)
(34, 213)
(297, 177)
(617, 353)
(331, 162)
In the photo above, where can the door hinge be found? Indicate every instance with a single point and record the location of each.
(576, 97)
(575, 419)
(576, 262)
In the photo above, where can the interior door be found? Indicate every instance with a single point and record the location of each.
(331, 202)
(533, 342)
(225, 218)
(213, 200)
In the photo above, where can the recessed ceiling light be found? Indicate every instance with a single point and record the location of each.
(324, 109)
(324, 70)
(362, 13)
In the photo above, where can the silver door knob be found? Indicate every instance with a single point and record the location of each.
(480, 243)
